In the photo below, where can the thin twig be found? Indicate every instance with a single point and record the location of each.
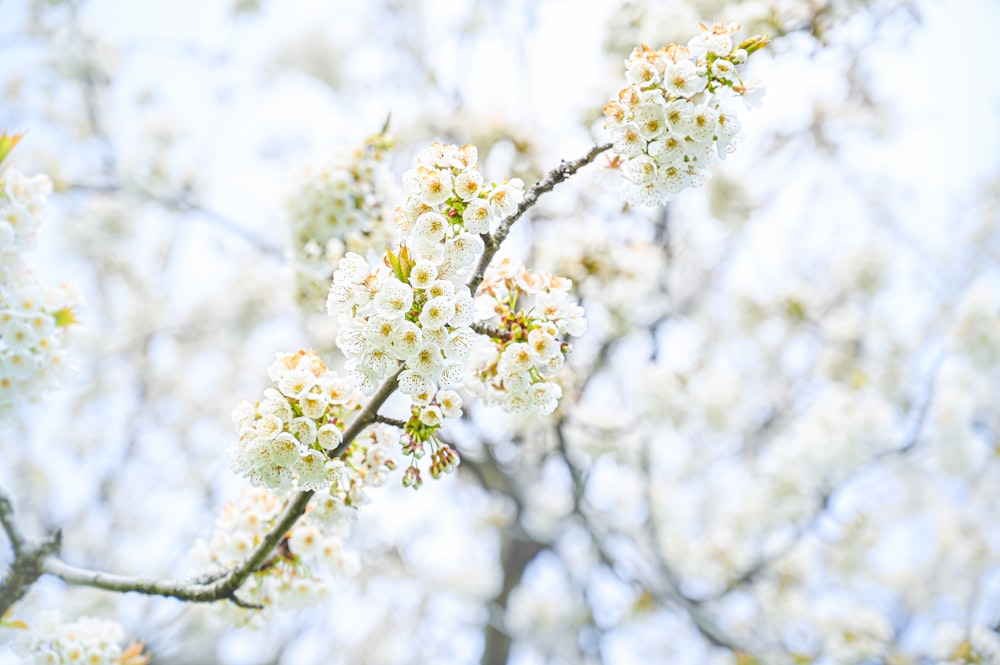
(9, 525)
(555, 176)
(395, 422)
(185, 207)
(489, 331)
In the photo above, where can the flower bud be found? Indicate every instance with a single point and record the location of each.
(754, 44)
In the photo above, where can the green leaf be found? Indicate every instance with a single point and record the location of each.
(394, 263)
(64, 317)
(7, 143)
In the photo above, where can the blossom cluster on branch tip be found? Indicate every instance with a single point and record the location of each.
(33, 316)
(676, 115)
(48, 641)
(338, 207)
(529, 314)
(448, 196)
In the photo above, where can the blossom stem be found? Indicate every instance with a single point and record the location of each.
(395, 422)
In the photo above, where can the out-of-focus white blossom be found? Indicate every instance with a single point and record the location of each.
(338, 207)
(48, 640)
(976, 333)
(33, 316)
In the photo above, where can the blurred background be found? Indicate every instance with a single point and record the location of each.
(779, 436)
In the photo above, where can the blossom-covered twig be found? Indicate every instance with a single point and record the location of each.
(554, 177)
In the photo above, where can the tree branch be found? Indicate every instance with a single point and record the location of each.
(17, 542)
(44, 559)
(910, 440)
(555, 176)
(395, 422)
(28, 557)
(225, 586)
(369, 414)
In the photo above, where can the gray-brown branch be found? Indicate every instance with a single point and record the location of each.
(225, 586)
(546, 184)
(26, 568)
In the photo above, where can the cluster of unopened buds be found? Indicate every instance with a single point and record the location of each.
(419, 435)
(33, 317)
(48, 641)
(675, 114)
(527, 316)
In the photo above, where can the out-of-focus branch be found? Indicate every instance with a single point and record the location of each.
(666, 588)
(909, 441)
(26, 568)
(517, 551)
(184, 206)
(515, 555)
(17, 542)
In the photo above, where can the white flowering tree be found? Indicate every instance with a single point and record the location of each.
(691, 384)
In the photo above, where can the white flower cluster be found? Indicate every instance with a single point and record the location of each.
(284, 440)
(976, 332)
(415, 312)
(410, 312)
(446, 196)
(23, 201)
(87, 640)
(33, 317)
(860, 637)
(954, 645)
(297, 573)
(528, 314)
(675, 113)
(339, 207)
